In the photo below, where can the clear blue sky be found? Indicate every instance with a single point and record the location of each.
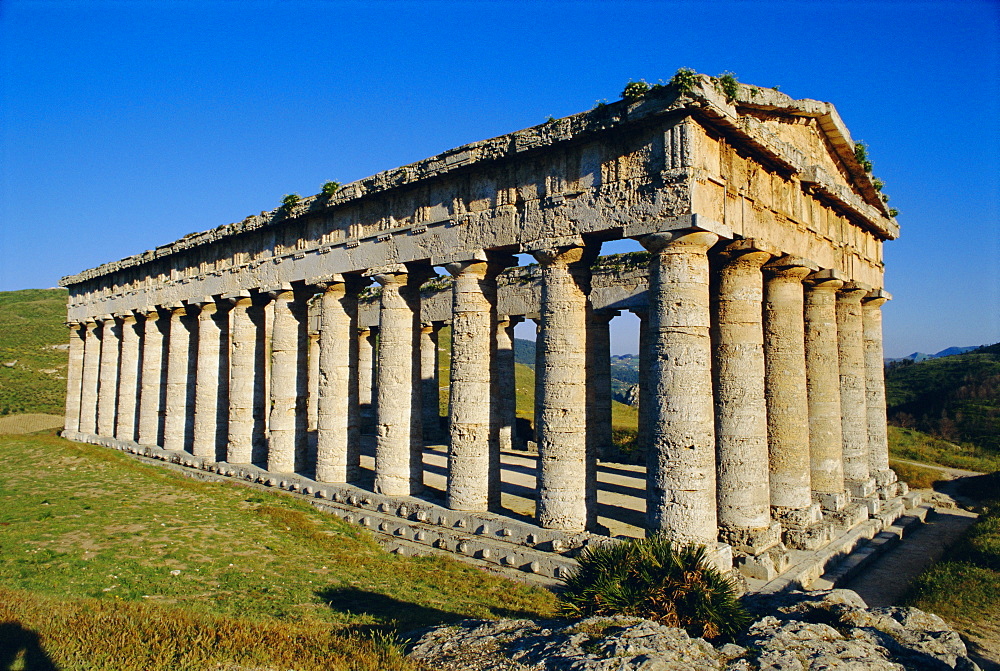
(125, 125)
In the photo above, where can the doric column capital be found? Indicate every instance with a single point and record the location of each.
(876, 298)
(695, 239)
(825, 280)
(476, 267)
(852, 292)
(749, 251)
(73, 325)
(510, 320)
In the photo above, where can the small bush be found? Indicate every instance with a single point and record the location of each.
(290, 201)
(684, 80)
(330, 188)
(635, 90)
(654, 579)
(727, 85)
(861, 155)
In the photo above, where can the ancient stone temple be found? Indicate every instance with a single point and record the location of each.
(273, 349)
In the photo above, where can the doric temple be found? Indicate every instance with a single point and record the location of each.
(286, 348)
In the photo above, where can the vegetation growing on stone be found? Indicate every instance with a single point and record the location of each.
(290, 201)
(727, 85)
(861, 155)
(635, 90)
(330, 188)
(656, 579)
(684, 80)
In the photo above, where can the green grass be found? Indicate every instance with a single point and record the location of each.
(86, 528)
(916, 477)
(914, 445)
(32, 373)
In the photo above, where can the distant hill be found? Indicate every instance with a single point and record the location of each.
(921, 356)
(955, 397)
(624, 368)
(33, 351)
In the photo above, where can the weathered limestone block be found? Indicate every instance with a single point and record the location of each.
(176, 427)
(128, 379)
(74, 375)
(244, 420)
(823, 389)
(338, 441)
(744, 497)
(853, 409)
(91, 377)
(878, 443)
(153, 382)
(505, 385)
(680, 489)
(210, 404)
(398, 466)
(565, 494)
(287, 424)
(473, 457)
(430, 385)
(599, 384)
(107, 396)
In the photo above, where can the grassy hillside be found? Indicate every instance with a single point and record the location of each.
(99, 548)
(33, 353)
(956, 398)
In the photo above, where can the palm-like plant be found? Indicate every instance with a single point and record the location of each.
(654, 579)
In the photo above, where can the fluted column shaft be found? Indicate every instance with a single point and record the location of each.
(878, 443)
(681, 493)
(643, 435)
(128, 380)
(505, 383)
(74, 376)
(338, 442)
(473, 459)
(784, 382)
(313, 401)
(561, 391)
(366, 372)
(823, 391)
(288, 381)
(176, 425)
(744, 495)
(430, 384)
(91, 378)
(207, 427)
(243, 371)
(599, 384)
(152, 386)
(853, 410)
(107, 398)
(398, 457)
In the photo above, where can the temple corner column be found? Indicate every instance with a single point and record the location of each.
(878, 443)
(74, 377)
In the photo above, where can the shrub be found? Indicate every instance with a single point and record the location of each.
(330, 188)
(727, 85)
(684, 79)
(290, 201)
(635, 90)
(655, 579)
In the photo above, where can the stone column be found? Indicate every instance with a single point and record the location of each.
(599, 384)
(366, 369)
(473, 459)
(128, 380)
(823, 390)
(153, 383)
(430, 384)
(787, 405)
(878, 443)
(853, 411)
(207, 428)
(176, 424)
(565, 497)
(505, 383)
(680, 489)
(744, 494)
(288, 379)
(74, 376)
(91, 378)
(398, 453)
(338, 441)
(107, 397)
(643, 439)
(313, 402)
(243, 368)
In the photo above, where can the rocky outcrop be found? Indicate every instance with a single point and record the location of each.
(799, 631)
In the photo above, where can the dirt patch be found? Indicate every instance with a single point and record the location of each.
(29, 423)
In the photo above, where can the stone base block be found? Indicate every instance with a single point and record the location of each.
(902, 489)
(751, 541)
(873, 503)
(860, 489)
(721, 558)
(886, 477)
(888, 492)
(849, 517)
(797, 518)
(764, 566)
(812, 537)
(831, 501)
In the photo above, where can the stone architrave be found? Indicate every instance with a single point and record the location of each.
(91, 377)
(744, 495)
(473, 468)
(176, 424)
(207, 389)
(152, 385)
(853, 411)
(505, 383)
(338, 440)
(288, 379)
(243, 367)
(398, 465)
(74, 376)
(826, 448)
(599, 384)
(107, 396)
(128, 380)
(681, 492)
(878, 443)
(430, 384)
(561, 390)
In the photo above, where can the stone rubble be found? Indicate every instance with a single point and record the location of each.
(796, 631)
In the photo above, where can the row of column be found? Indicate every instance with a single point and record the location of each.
(761, 390)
